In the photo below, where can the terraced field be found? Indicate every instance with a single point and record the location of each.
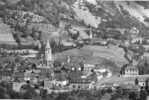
(6, 36)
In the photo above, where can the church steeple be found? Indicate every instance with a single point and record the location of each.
(48, 54)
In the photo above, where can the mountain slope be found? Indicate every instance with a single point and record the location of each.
(97, 14)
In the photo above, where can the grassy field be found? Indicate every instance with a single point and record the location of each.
(6, 36)
(113, 53)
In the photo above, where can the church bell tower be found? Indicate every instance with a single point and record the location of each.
(48, 55)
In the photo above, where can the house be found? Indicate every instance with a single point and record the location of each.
(44, 69)
(146, 46)
(90, 64)
(141, 81)
(48, 84)
(72, 62)
(81, 84)
(6, 75)
(145, 55)
(131, 70)
(30, 76)
(88, 67)
(76, 82)
(18, 76)
(138, 40)
(17, 86)
(45, 73)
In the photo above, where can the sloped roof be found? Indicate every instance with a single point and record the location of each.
(131, 67)
(6, 73)
(18, 74)
(75, 75)
(60, 76)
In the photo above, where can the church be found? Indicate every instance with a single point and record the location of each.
(46, 67)
(48, 55)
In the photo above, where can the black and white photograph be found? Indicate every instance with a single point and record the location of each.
(74, 50)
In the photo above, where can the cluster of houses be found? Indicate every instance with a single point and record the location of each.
(23, 52)
(44, 72)
(81, 79)
(129, 77)
(84, 78)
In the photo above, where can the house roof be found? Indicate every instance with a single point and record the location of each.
(60, 76)
(75, 75)
(130, 67)
(6, 73)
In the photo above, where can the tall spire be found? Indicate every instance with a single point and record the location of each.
(48, 45)
(48, 53)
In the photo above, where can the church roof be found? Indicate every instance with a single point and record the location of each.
(129, 67)
(48, 44)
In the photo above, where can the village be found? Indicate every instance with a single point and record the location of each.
(84, 53)
(68, 73)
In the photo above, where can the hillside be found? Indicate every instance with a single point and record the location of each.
(68, 24)
(28, 17)
(6, 36)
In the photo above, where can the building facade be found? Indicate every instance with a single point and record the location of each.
(80, 84)
(131, 71)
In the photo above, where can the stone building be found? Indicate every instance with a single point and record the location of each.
(81, 84)
(131, 70)
(47, 64)
(76, 82)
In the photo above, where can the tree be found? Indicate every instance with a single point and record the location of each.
(132, 96)
(136, 81)
(147, 85)
(143, 94)
(117, 97)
